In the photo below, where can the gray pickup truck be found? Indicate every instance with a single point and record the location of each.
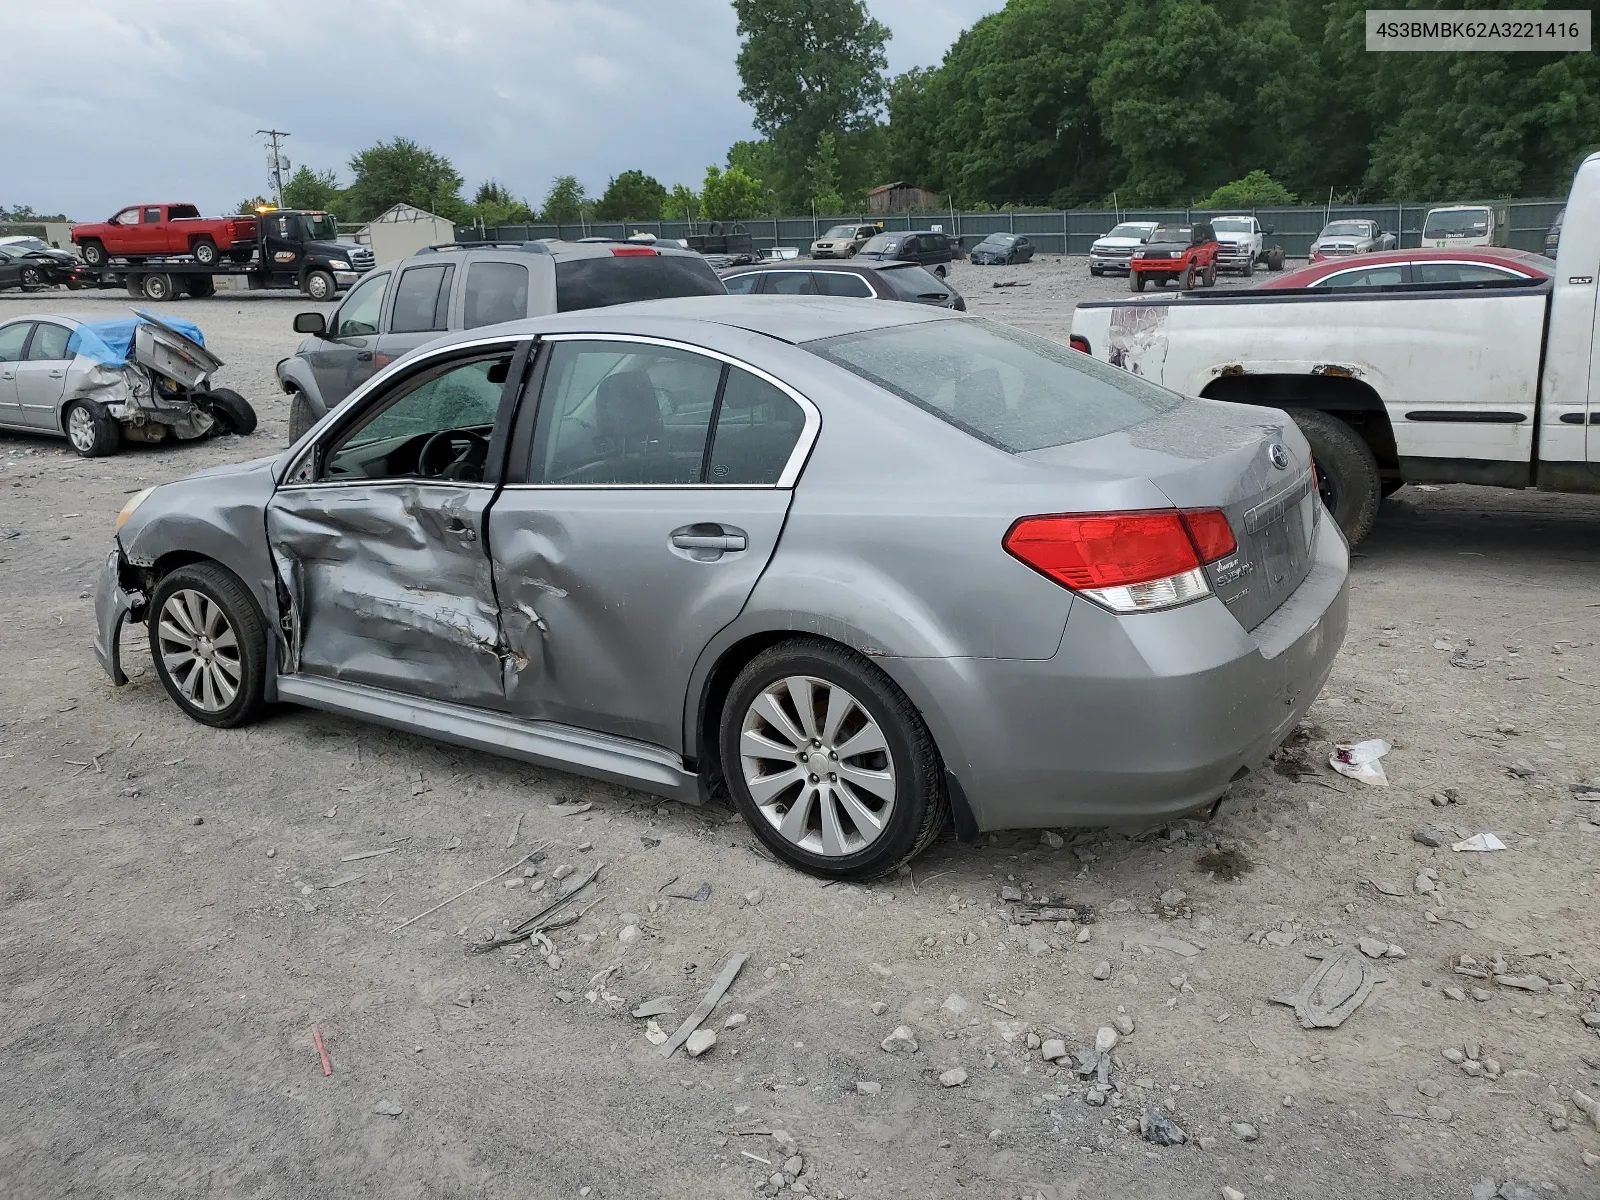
(400, 306)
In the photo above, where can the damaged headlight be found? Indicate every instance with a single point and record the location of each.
(134, 501)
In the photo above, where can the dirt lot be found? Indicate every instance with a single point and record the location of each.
(176, 916)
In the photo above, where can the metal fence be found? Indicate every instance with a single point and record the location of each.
(1068, 232)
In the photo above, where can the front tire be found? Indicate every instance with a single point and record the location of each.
(1189, 278)
(209, 644)
(30, 279)
(321, 286)
(1347, 472)
(1136, 281)
(941, 270)
(91, 431)
(829, 762)
(301, 418)
(94, 253)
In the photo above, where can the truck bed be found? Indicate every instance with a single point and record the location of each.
(1457, 370)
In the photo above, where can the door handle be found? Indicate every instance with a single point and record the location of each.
(708, 541)
(57, 374)
(364, 356)
(461, 529)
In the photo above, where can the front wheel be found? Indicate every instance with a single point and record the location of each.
(93, 432)
(829, 762)
(94, 253)
(941, 270)
(1347, 472)
(1250, 266)
(209, 644)
(321, 286)
(30, 279)
(1188, 278)
(301, 418)
(1136, 281)
(232, 412)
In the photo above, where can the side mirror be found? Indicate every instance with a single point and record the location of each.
(1269, 230)
(311, 322)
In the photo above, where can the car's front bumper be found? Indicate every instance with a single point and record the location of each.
(113, 604)
(1135, 718)
(1235, 259)
(346, 279)
(1109, 262)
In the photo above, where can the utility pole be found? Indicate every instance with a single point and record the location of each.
(276, 161)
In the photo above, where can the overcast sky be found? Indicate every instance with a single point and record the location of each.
(141, 102)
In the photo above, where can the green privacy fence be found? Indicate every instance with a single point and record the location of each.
(1068, 232)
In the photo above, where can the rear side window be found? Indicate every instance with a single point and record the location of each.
(840, 283)
(1366, 277)
(496, 292)
(152, 216)
(599, 282)
(1008, 388)
(180, 212)
(789, 283)
(422, 299)
(49, 342)
(757, 428)
(1437, 273)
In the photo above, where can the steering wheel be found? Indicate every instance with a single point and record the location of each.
(453, 454)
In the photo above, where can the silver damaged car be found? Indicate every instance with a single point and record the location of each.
(867, 567)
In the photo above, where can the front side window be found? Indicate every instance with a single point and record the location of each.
(1448, 273)
(496, 292)
(128, 216)
(1008, 388)
(358, 315)
(49, 342)
(434, 425)
(840, 283)
(422, 299)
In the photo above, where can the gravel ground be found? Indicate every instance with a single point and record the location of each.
(176, 917)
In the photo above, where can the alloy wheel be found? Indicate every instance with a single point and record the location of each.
(80, 429)
(200, 650)
(817, 766)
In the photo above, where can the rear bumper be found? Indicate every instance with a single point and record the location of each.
(1135, 718)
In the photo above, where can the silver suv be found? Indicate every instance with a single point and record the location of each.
(400, 306)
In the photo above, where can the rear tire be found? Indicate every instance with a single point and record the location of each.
(232, 412)
(200, 286)
(240, 256)
(94, 253)
(320, 286)
(1209, 279)
(91, 431)
(205, 252)
(213, 604)
(1347, 472)
(901, 773)
(156, 287)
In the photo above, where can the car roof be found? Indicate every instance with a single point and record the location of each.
(544, 249)
(1521, 260)
(793, 319)
(801, 264)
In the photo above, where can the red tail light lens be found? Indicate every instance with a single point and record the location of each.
(1128, 562)
(631, 251)
(1078, 342)
(1213, 536)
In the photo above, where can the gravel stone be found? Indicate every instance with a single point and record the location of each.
(1102, 970)
(868, 1087)
(1245, 1132)
(699, 1042)
(953, 1078)
(901, 1041)
(1053, 1049)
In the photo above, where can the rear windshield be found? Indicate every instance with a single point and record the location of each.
(881, 244)
(914, 283)
(1008, 388)
(1463, 222)
(598, 282)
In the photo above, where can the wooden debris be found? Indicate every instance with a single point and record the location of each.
(702, 1010)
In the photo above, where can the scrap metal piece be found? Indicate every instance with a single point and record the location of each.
(1334, 990)
(702, 1010)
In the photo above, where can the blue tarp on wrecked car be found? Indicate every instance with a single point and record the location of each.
(111, 342)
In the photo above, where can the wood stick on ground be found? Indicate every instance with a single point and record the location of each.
(465, 891)
(515, 830)
(703, 1010)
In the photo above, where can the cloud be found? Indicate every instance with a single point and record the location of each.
(167, 105)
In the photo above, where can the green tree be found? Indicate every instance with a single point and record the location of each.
(247, 208)
(493, 204)
(631, 195)
(681, 204)
(315, 190)
(822, 176)
(565, 203)
(808, 66)
(1255, 190)
(402, 172)
(730, 195)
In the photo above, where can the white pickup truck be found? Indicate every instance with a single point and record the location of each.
(1487, 383)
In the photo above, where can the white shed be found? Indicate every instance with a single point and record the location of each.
(402, 231)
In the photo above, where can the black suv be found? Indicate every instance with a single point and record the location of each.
(400, 306)
(925, 247)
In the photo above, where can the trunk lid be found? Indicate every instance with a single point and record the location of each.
(1207, 454)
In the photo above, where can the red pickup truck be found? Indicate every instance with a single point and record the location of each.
(155, 230)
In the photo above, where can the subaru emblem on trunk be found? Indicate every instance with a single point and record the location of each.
(1279, 454)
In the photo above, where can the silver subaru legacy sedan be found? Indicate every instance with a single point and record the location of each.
(866, 566)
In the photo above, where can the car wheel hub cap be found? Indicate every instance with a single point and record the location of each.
(817, 766)
(80, 427)
(199, 650)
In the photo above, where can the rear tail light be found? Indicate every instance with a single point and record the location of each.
(1078, 342)
(631, 251)
(1129, 562)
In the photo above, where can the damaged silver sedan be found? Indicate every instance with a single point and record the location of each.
(866, 567)
(100, 383)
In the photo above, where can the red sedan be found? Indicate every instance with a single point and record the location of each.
(1442, 268)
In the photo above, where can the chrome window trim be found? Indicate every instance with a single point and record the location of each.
(1509, 271)
(406, 365)
(791, 469)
